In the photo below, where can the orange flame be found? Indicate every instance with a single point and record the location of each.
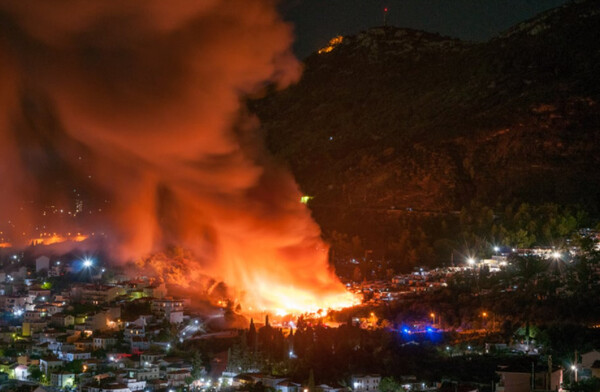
(57, 239)
(335, 41)
(257, 280)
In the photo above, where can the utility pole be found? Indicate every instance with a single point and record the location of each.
(575, 366)
(532, 376)
(549, 385)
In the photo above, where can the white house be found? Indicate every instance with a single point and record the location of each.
(72, 356)
(518, 379)
(287, 386)
(365, 383)
(588, 359)
(176, 317)
(63, 379)
(104, 342)
(21, 372)
(49, 363)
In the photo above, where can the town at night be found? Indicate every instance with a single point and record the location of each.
(300, 196)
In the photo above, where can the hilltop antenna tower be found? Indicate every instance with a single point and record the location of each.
(385, 15)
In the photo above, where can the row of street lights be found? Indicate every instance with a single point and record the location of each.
(472, 261)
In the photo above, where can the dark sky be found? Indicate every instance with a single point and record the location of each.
(316, 21)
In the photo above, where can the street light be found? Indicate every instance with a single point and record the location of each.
(432, 315)
(556, 255)
(574, 369)
(87, 263)
(471, 260)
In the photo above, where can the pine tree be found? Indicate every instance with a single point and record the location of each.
(252, 341)
(311, 381)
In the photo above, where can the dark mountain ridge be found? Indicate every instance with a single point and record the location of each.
(401, 120)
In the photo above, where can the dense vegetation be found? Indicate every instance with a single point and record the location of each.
(404, 240)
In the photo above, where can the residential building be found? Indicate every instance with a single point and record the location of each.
(104, 342)
(518, 378)
(97, 294)
(145, 373)
(139, 344)
(165, 306)
(72, 356)
(176, 378)
(176, 317)
(21, 372)
(588, 359)
(30, 328)
(365, 383)
(50, 363)
(287, 386)
(63, 379)
(62, 320)
(134, 330)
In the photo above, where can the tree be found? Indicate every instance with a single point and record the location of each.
(589, 385)
(35, 373)
(388, 384)
(198, 369)
(311, 381)
(252, 337)
(76, 366)
(189, 380)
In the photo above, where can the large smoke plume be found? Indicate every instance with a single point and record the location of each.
(141, 101)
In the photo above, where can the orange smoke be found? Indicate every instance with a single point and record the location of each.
(143, 103)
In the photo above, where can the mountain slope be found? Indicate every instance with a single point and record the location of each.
(400, 119)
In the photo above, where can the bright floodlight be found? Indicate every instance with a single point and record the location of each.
(87, 263)
(496, 249)
(471, 260)
(573, 367)
(556, 255)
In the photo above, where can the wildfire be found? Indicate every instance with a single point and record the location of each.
(259, 287)
(57, 239)
(335, 41)
(284, 300)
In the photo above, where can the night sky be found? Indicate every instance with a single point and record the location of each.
(316, 21)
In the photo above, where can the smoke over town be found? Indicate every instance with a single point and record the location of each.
(142, 103)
